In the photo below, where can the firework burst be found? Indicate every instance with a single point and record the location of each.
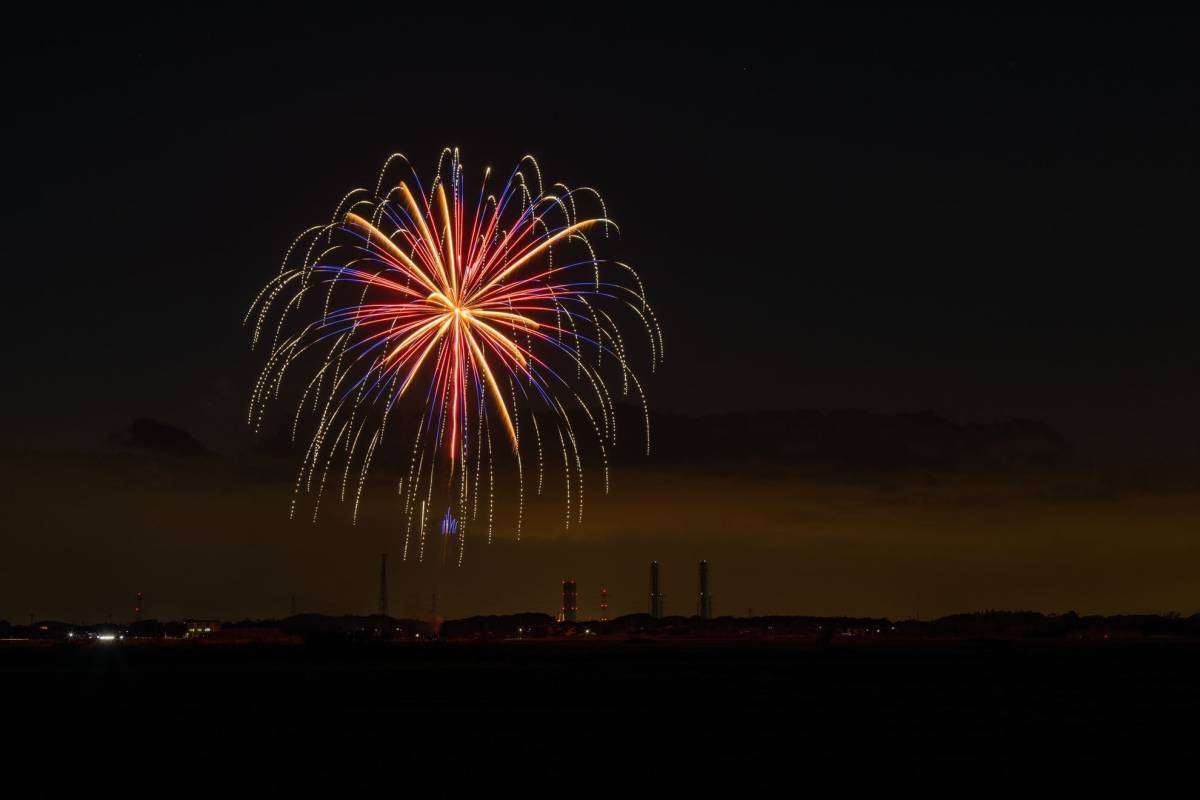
(463, 331)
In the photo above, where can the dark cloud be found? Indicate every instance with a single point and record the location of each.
(153, 437)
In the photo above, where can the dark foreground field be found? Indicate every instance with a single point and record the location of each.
(582, 717)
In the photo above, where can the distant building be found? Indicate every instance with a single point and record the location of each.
(570, 604)
(604, 605)
(704, 600)
(656, 597)
(199, 628)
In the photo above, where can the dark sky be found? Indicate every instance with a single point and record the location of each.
(988, 217)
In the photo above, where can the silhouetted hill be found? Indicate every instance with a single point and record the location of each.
(491, 626)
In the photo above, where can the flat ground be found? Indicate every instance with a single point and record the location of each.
(578, 717)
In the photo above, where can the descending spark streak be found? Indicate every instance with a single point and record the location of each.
(420, 290)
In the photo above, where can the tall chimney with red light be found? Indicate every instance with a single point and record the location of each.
(570, 603)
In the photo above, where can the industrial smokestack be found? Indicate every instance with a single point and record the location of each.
(656, 598)
(570, 604)
(704, 604)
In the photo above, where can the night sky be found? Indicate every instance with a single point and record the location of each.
(986, 218)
